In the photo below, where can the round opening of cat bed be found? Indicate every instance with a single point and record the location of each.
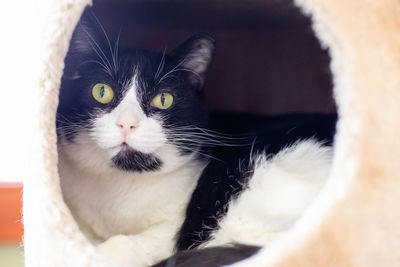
(269, 71)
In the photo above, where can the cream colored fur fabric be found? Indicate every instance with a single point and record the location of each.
(355, 222)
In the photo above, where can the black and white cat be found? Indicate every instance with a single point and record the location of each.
(142, 169)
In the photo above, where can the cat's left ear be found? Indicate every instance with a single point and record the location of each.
(195, 56)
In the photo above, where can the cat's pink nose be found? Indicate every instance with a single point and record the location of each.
(127, 122)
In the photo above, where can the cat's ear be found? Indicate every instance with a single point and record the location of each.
(195, 56)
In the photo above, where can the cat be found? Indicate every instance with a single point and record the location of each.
(143, 170)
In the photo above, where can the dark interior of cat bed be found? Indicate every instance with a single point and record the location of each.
(268, 60)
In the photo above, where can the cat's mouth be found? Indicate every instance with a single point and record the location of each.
(124, 147)
(129, 159)
(121, 148)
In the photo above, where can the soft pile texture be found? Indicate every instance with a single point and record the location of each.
(355, 221)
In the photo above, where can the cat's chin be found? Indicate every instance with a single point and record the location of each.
(129, 159)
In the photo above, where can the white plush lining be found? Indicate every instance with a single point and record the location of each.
(355, 220)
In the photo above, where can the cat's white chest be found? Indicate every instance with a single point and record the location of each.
(119, 202)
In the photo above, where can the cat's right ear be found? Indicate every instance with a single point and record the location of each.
(195, 56)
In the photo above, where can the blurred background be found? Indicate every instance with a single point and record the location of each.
(20, 28)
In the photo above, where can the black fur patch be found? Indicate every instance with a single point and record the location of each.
(209, 257)
(225, 178)
(135, 161)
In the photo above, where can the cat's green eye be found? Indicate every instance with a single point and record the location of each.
(163, 100)
(103, 93)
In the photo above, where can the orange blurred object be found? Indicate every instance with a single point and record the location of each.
(11, 228)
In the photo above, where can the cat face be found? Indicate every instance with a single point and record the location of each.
(131, 109)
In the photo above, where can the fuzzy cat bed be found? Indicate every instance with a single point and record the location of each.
(354, 222)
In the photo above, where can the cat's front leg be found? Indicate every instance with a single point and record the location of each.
(143, 249)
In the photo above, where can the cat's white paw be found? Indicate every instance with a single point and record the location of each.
(122, 248)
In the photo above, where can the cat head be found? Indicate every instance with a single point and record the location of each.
(131, 109)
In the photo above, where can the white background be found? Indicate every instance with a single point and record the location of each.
(19, 53)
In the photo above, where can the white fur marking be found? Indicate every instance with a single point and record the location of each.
(278, 193)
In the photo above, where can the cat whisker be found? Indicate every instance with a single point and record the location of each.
(161, 65)
(171, 71)
(109, 44)
(98, 62)
(205, 136)
(209, 138)
(188, 131)
(97, 49)
(190, 149)
(208, 143)
(207, 131)
(116, 47)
